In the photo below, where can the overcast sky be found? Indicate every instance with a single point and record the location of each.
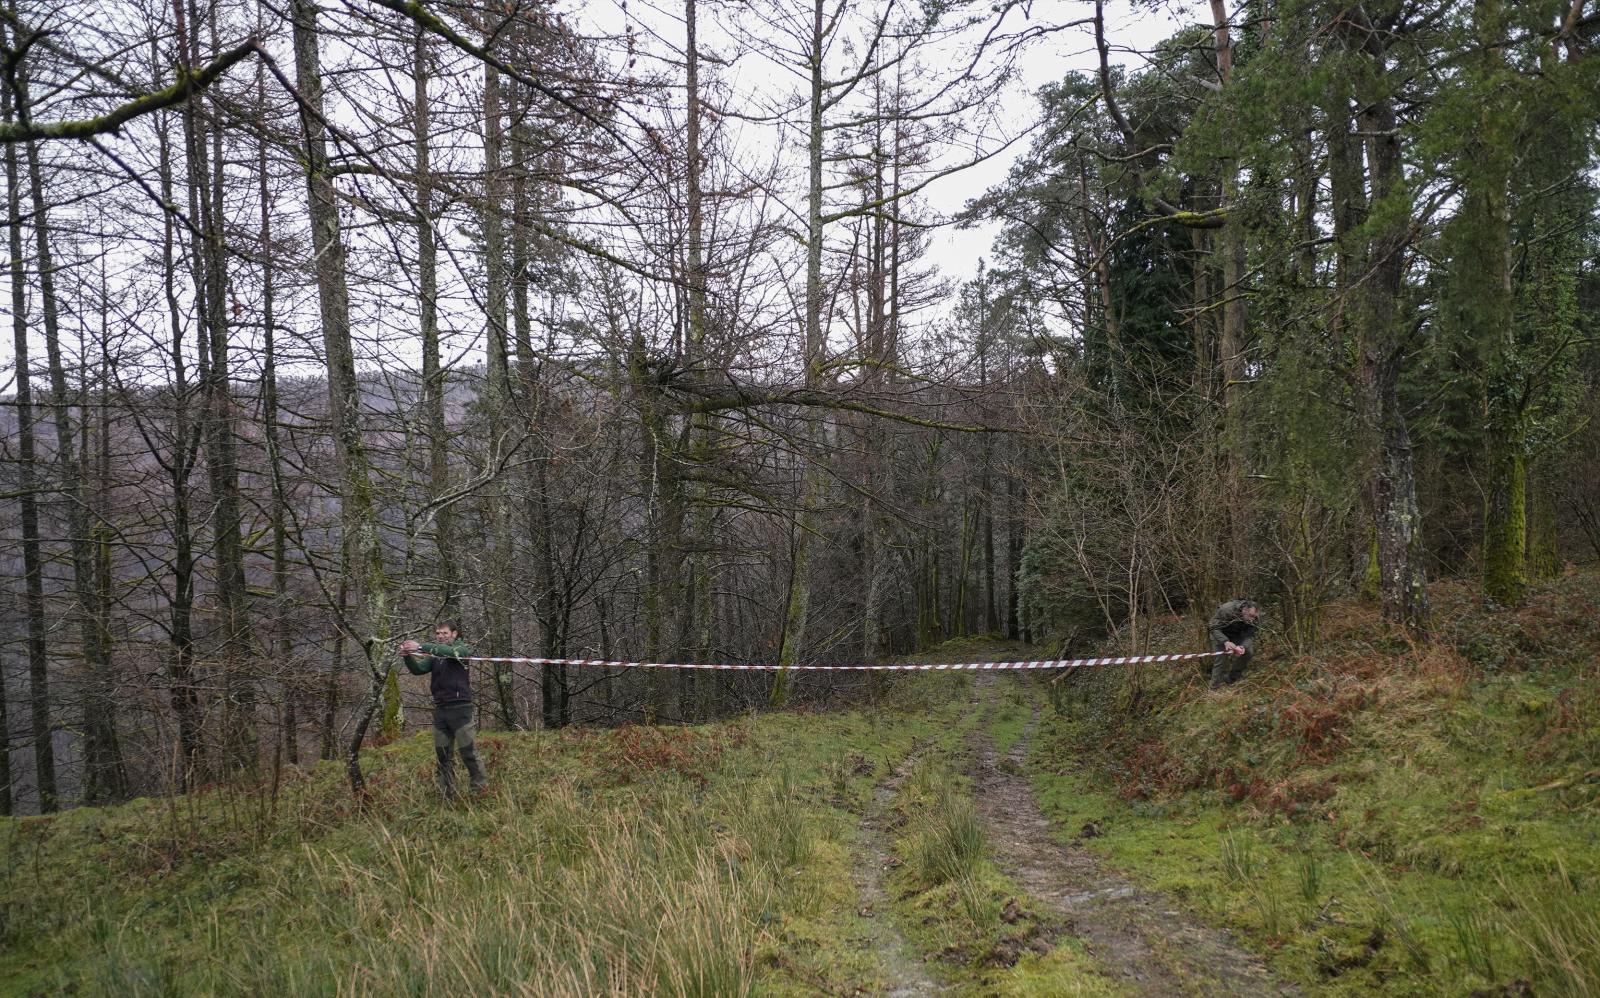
(957, 252)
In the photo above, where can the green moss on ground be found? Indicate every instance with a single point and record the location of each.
(1376, 818)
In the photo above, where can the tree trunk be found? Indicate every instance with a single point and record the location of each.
(433, 394)
(328, 744)
(277, 514)
(695, 623)
(797, 609)
(1399, 520)
(1211, 580)
(658, 488)
(551, 607)
(104, 777)
(178, 465)
(991, 606)
(1370, 271)
(501, 586)
(32, 562)
(205, 175)
(1490, 321)
(1014, 629)
(360, 522)
(1231, 345)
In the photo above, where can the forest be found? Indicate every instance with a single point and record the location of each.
(790, 337)
(620, 334)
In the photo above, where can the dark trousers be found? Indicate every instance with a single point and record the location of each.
(455, 726)
(1230, 669)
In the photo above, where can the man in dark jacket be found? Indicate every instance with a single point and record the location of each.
(1233, 632)
(453, 720)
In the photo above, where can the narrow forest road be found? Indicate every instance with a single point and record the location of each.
(1140, 937)
(904, 975)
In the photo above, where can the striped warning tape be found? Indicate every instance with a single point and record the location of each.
(1069, 663)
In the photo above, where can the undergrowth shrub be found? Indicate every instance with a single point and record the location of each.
(637, 750)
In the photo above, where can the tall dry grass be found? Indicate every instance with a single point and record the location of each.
(665, 895)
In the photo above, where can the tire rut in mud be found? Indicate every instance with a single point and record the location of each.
(904, 976)
(1138, 935)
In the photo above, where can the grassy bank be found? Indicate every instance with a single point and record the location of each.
(1378, 818)
(701, 861)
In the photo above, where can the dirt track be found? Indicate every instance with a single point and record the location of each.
(903, 973)
(1139, 936)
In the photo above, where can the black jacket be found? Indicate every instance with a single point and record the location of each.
(447, 671)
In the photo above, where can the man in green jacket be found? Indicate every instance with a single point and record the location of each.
(444, 661)
(1233, 632)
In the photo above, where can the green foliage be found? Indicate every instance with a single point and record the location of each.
(1492, 211)
(1149, 277)
(1054, 599)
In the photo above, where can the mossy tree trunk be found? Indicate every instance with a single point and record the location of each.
(1486, 296)
(1372, 220)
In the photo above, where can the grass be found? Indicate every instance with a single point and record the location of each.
(988, 936)
(1377, 819)
(703, 861)
(946, 844)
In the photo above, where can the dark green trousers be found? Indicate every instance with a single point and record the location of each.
(455, 726)
(1230, 669)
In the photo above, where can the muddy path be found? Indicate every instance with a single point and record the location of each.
(903, 973)
(1141, 937)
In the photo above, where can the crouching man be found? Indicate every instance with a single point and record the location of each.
(454, 725)
(1233, 632)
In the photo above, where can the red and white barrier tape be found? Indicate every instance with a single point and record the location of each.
(1073, 663)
